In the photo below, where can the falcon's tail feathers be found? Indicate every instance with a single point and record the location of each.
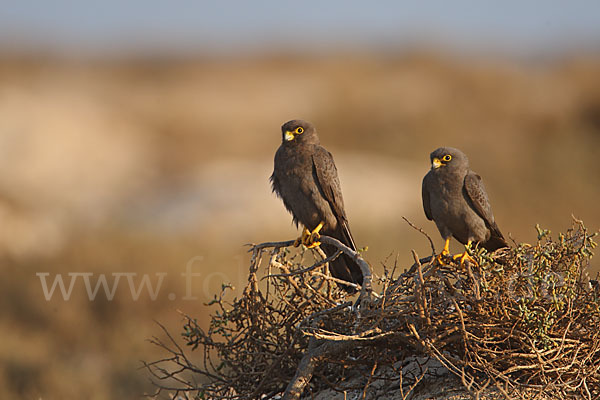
(496, 240)
(346, 236)
(344, 267)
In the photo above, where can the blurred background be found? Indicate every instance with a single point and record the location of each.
(138, 137)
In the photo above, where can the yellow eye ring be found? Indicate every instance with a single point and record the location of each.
(447, 158)
(299, 130)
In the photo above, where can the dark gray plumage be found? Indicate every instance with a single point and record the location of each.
(455, 199)
(306, 179)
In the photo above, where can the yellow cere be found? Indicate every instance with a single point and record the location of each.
(289, 136)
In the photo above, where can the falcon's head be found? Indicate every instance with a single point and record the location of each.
(299, 131)
(448, 158)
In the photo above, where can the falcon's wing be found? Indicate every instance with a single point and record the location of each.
(327, 179)
(425, 196)
(479, 198)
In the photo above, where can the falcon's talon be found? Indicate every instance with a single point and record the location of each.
(445, 253)
(313, 238)
(440, 259)
(310, 239)
(303, 239)
(464, 257)
(318, 228)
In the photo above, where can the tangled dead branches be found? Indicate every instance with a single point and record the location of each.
(523, 322)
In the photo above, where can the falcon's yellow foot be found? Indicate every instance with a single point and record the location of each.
(463, 257)
(445, 252)
(440, 258)
(303, 238)
(312, 240)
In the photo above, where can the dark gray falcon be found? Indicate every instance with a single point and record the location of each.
(455, 199)
(306, 179)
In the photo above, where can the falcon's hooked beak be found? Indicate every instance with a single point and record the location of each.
(289, 136)
(436, 163)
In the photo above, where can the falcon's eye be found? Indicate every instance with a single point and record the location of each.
(299, 130)
(447, 158)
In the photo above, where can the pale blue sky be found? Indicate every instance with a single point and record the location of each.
(113, 25)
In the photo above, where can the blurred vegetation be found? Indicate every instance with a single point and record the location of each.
(141, 165)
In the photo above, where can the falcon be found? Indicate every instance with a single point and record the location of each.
(306, 179)
(455, 199)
